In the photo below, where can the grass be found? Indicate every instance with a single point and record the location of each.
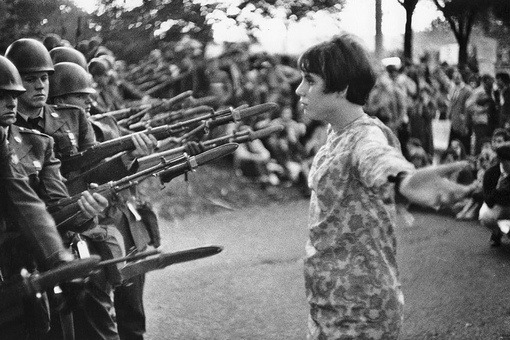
(210, 189)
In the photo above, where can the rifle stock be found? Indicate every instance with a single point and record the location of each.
(69, 208)
(101, 151)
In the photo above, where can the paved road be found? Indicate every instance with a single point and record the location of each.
(456, 286)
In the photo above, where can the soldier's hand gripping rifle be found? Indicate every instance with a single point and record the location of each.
(101, 151)
(100, 174)
(166, 170)
(235, 137)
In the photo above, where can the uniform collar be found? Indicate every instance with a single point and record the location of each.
(26, 117)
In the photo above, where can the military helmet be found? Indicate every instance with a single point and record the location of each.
(69, 78)
(98, 66)
(69, 54)
(29, 55)
(10, 79)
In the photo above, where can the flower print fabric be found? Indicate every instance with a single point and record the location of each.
(351, 273)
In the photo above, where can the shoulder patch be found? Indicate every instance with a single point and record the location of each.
(33, 132)
(66, 107)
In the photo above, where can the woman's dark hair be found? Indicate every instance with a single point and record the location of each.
(343, 63)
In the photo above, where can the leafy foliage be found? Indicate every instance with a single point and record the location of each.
(462, 16)
(133, 33)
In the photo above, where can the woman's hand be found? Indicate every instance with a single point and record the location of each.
(431, 187)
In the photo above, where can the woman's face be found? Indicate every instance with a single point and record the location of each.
(316, 104)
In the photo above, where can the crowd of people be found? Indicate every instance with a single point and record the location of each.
(54, 97)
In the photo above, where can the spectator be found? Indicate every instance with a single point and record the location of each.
(417, 154)
(461, 124)
(496, 195)
(252, 159)
(481, 109)
(502, 96)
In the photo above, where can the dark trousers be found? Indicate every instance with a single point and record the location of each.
(128, 300)
(94, 320)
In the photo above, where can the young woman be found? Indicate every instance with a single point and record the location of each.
(351, 273)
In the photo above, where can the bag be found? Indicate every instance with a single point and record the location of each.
(441, 133)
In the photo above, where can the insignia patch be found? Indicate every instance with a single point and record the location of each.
(14, 159)
(54, 115)
(37, 165)
(72, 138)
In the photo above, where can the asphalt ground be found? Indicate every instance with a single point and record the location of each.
(456, 286)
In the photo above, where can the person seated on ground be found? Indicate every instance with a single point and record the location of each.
(496, 195)
(458, 148)
(286, 147)
(485, 159)
(417, 154)
(253, 160)
(465, 177)
(499, 137)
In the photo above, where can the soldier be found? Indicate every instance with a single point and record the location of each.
(132, 217)
(68, 125)
(68, 54)
(35, 152)
(27, 234)
(70, 129)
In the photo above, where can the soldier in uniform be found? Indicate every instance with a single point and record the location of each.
(68, 54)
(28, 237)
(35, 152)
(68, 125)
(134, 219)
(72, 132)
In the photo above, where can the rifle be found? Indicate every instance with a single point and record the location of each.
(101, 151)
(170, 117)
(166, 170)
(235, 137)
(164, 260)
(33, 285)
(165, 104)
(77, 183)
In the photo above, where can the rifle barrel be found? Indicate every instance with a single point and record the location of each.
(100, 151)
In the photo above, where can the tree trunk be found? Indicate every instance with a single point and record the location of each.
(408, 36)
(379, 49)
(463, 51)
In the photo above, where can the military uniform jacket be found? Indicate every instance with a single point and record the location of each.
(69, 127)
(35, 154)
(19, 202)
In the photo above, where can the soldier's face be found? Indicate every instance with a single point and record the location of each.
(8, 104)
(82, 100)
(37, 86)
